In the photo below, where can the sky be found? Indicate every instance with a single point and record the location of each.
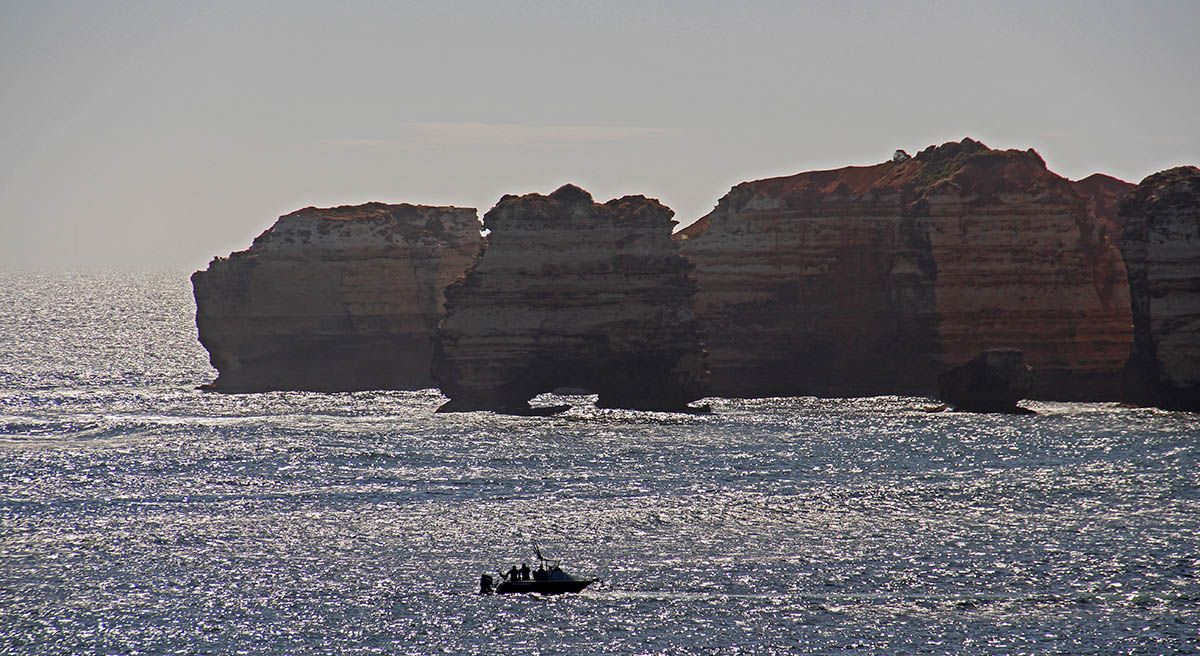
(153, 136)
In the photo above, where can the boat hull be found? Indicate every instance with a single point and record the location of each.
(543, 587)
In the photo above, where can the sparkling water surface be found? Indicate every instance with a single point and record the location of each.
(140, 516)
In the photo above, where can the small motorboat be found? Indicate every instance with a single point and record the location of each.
(548, 579)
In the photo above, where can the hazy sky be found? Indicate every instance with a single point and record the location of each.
(156, 135)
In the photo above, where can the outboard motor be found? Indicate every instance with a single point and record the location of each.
(485, 584)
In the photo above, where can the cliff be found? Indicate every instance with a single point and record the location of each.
(1162, 251)
(874, 279)
(338, 299)
(1103, 194)
(572, 293)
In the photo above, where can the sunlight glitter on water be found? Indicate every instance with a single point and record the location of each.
(141, 515)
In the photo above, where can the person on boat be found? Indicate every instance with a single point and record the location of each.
(513, 574)
(539, 574)
(524, 571)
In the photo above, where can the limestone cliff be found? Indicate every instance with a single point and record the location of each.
(572, 293)
(338, 299)
(1104, 194)
(1162, 251)
(874, 279)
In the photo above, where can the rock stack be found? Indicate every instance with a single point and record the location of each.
(856, 281)
(1162, 252)
(339, 299)
(993, 381)
(572, 293)
(873, 280)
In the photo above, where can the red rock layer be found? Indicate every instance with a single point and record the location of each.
(572, 293)
(868, 280)
(813, 288)
(1162, 251)
(338, 299)
(1104, 194)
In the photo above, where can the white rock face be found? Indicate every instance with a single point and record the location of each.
(1162, 252)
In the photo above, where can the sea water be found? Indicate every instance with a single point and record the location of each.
(141, 516)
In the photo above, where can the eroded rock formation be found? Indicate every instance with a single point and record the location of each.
(338, 299)
(1162, 252)
(1104, 194)
(993, 381)
(572, 293)
(873, 279)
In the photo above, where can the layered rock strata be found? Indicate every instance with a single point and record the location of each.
(1162, 253)
(1104, 194)
(874, 279)
(338, 299)
(572, 293)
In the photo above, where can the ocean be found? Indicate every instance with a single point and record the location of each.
(139, 515)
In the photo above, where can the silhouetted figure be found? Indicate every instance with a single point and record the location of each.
(485, 584)
(539, 574)
(513, 574)
(524, 571)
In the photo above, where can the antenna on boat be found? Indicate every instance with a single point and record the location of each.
(548, 563)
